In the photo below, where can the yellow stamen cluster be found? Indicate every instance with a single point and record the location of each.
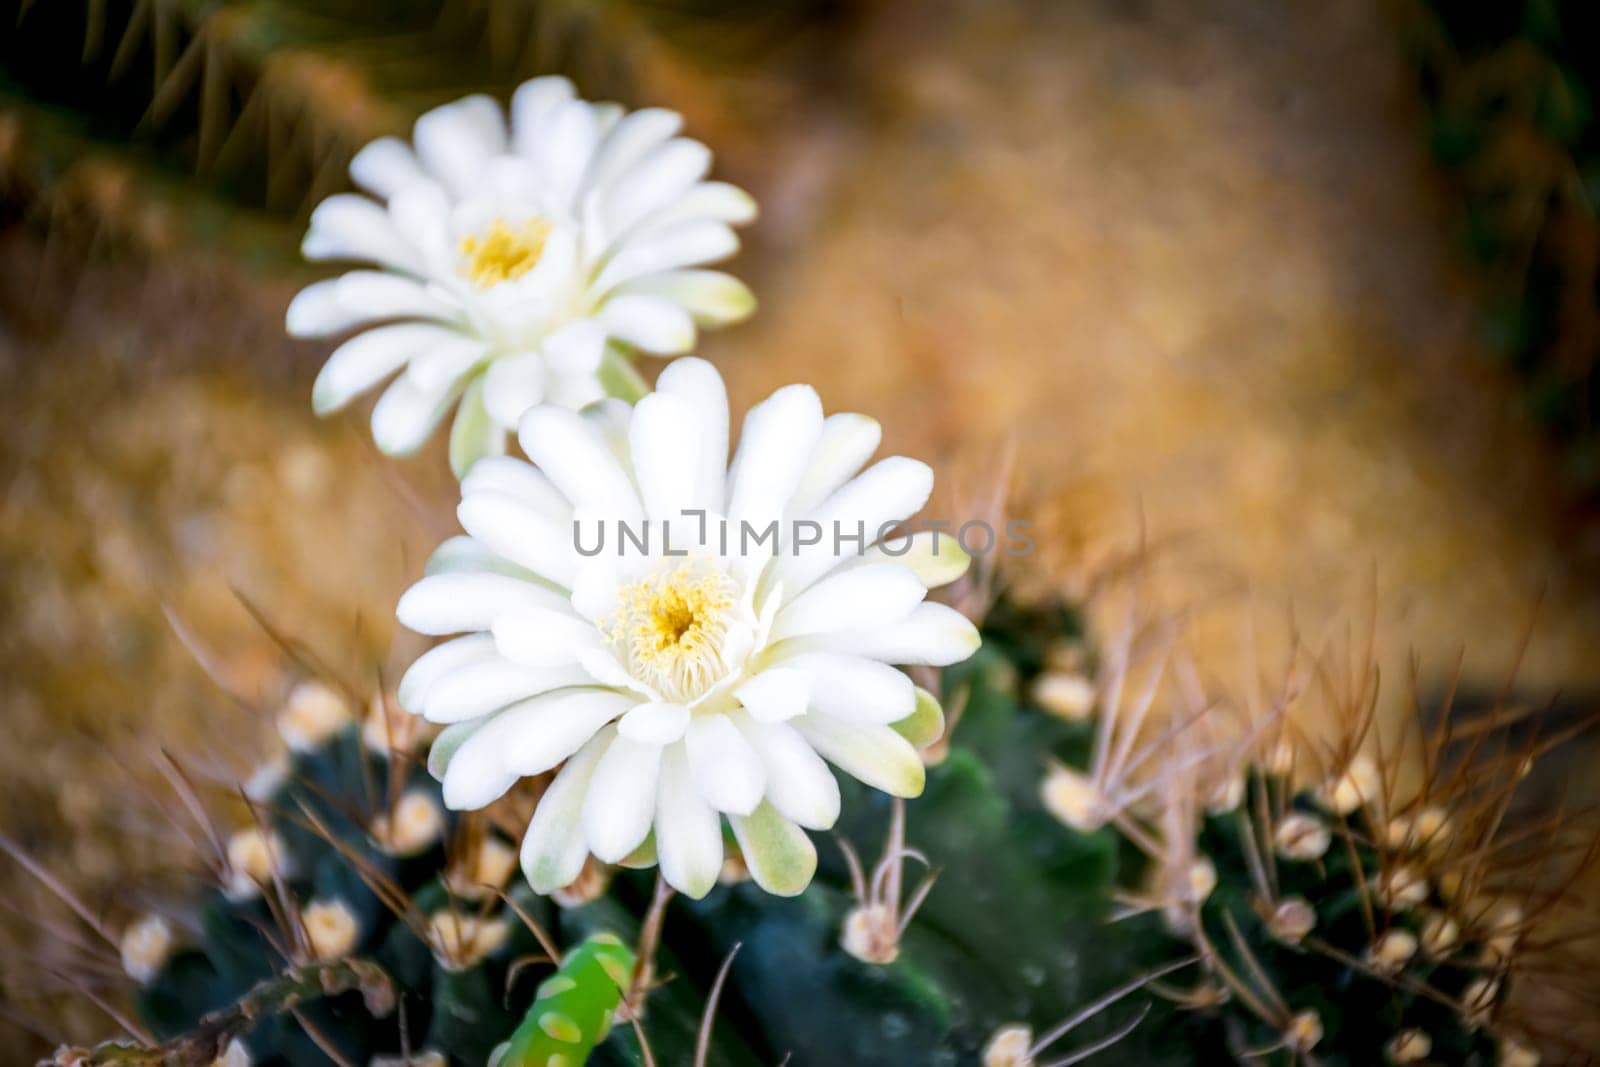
(504, 252)
(671, 629)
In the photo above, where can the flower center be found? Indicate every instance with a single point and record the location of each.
(504, 252)
(671, 629)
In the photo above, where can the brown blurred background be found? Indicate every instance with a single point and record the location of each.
(1208, 267)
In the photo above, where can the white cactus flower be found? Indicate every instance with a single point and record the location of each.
(703, 676)
(515, 263)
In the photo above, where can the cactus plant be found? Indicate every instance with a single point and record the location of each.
(355, 919)
(1510, 90)
(255, 109)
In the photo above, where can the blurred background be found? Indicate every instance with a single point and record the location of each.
(1301, 296)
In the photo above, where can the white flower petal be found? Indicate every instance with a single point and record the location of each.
(781, 858)
(368, 358)
(665, 173)
(531, 107)
(315, 311)
(484, 686)
(553, 726)
(521, 534)
(475, 775)
(348, 226)
(473, 434)
(455, 142)
(439, 661)
(778, 436)
(554, 849)
(514, 385)
(595, 588)
(889, 491)
(633, 137)
(544, 637)
(527, 738)
(562, 151)
(463, 555)
(370, 295)
(776, 694)
(421, 214)
(855, 689)
(446, 360)
(575, 350)
(720, 201)
(652, 323)
(509, 179)
(725, 769)
(406, 414)
(711, 297)
(603, 667)
(664, 443)
(521, 480)
(655, 723)
(925, 725)
(847, 442)
(357, 298)
(385, 166)
(859, 598)
(700, 386)
(706, 202)
(622, 799)
(685, 245)
(454, 603)
(875, 755)
(576, 457)
(936, 558)
(688, 830)
(448, 743)
(799, 783)
(611, 419)
(934, 635)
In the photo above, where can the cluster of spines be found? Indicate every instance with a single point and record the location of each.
(265, 104)
(346, 856)
(1330, 922)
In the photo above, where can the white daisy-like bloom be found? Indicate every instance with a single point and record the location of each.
(700, 678)
(517, 263)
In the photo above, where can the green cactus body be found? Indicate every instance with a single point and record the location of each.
(1022, 927)
(574, 1008)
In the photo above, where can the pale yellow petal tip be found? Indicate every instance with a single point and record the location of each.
(749, 210)
(791, 886)
(641, 857)
(543, 875)
(739, 304)
(971, 639)
(914, 781)
(697, 887)
(958, 560)
(925, 724)
(781, 858)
